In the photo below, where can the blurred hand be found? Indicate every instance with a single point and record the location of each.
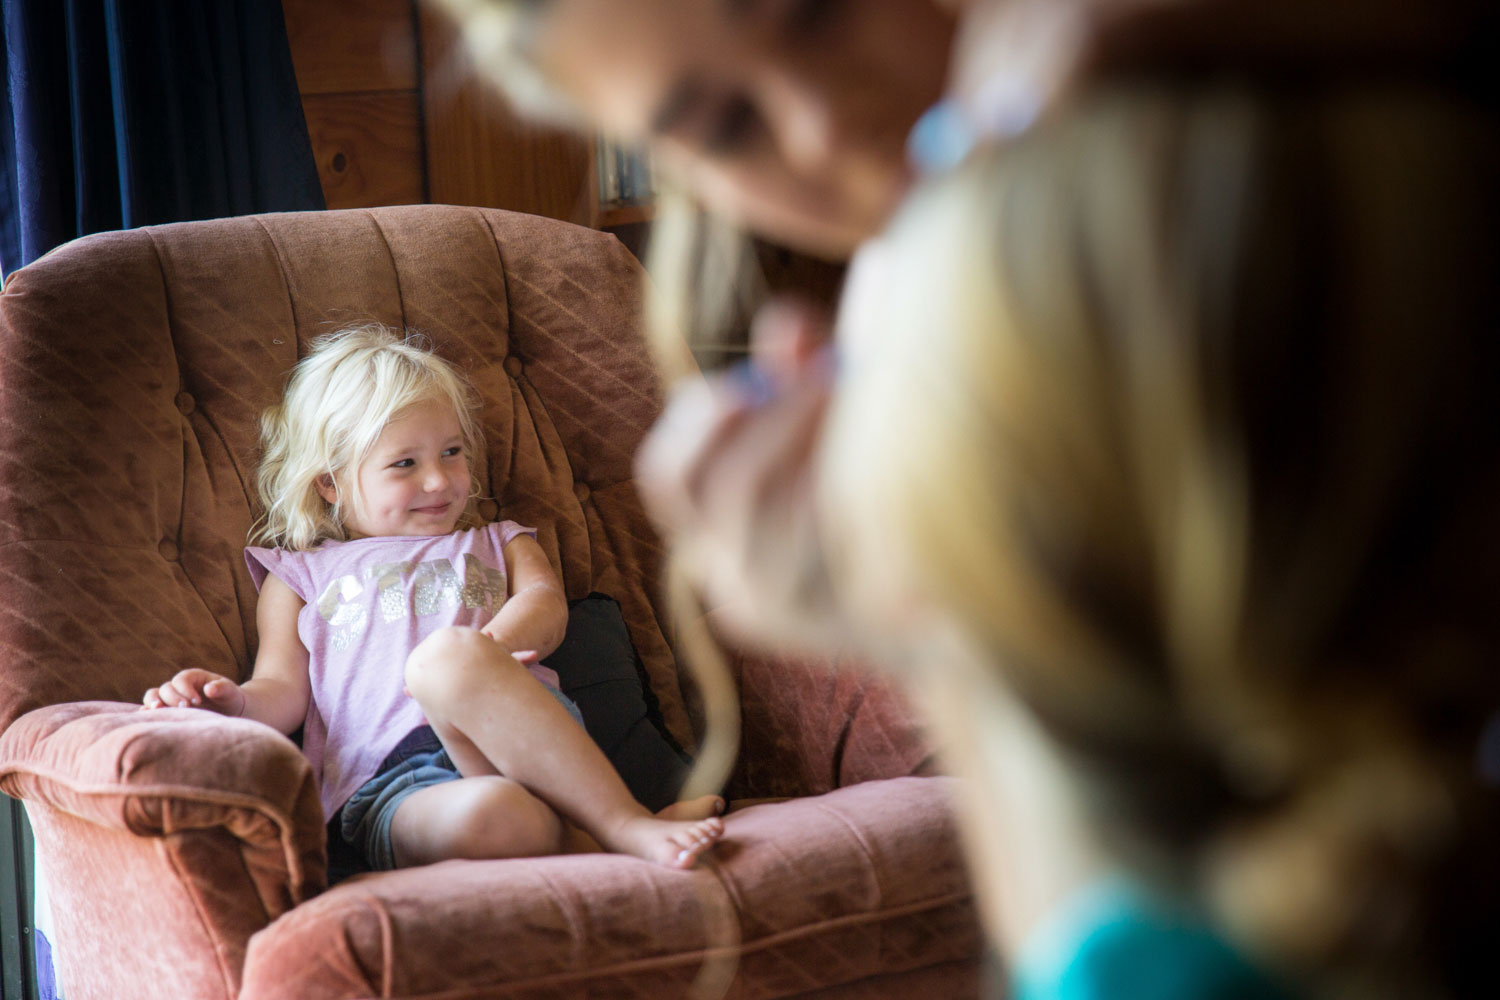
(727, 474)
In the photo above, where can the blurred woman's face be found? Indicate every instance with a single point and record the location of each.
(788, 115)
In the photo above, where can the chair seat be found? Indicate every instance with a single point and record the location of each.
(800, 896)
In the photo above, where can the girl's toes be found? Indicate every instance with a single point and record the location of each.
(688, 856)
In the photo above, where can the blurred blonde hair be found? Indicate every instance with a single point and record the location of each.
(1182, 408)
(337, 401)
(498, 36)
(705, 279)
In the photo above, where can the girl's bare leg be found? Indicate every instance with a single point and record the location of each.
(485, 816)
(495, 718)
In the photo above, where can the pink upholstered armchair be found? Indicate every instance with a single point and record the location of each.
(185, 851)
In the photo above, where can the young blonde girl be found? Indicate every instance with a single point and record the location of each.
(403, 635)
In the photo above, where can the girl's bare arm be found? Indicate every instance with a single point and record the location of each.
(535, 615)
(280, 689)
(278, 692)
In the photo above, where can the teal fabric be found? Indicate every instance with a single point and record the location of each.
(1114, 940)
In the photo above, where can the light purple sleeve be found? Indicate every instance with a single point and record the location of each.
(285, 565)
(502, 533)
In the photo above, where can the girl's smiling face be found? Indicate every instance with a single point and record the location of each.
(415, 480)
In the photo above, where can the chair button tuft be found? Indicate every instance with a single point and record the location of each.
(514, 367)
(186, 403)
(489, 510)
(168, 549)
(581, 491)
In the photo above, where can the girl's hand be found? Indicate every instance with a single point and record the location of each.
(198, 689)
(523, 656)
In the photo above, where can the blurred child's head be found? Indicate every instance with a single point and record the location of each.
(790, 118)
(1181, 411)
(375, 435)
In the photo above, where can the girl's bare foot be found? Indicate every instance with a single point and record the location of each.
(672, 843)
(702, 807)
(685, 813)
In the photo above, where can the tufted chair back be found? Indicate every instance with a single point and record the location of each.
(132, 377)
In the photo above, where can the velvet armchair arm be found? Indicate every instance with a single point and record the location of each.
(169, 838)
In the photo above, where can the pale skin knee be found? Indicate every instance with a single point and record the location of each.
(442, 669)
(474, 818)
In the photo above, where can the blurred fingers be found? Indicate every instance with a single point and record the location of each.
(699, 418)
(767, 465)
(788, 333)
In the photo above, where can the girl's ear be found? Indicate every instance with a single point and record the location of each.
(326, 488)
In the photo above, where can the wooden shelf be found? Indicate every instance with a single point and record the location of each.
(624, 215)
(397, 113)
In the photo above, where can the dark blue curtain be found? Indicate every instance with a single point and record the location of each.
(124, 113)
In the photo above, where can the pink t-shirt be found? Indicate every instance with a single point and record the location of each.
(368, 602)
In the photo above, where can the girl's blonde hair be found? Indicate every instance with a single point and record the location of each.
(1183, 410)
(337, 401)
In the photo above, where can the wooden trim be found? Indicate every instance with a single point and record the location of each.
(352, 46)
(368, 147)
(479, 152)
(625, 214)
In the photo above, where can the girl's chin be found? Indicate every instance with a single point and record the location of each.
(424, 527)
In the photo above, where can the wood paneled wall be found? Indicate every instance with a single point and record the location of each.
(398, 115)
(480, 153)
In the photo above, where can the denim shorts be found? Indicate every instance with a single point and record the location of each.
(419, 761)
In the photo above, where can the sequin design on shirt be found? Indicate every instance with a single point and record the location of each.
(407, 589)
(336, 605)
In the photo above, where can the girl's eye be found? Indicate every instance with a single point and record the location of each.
(806, 17)
(794, 21)
(403, 463)
(733, 127)
(455, 450)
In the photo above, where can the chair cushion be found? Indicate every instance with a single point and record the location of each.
(598, 668)
(800, 896)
